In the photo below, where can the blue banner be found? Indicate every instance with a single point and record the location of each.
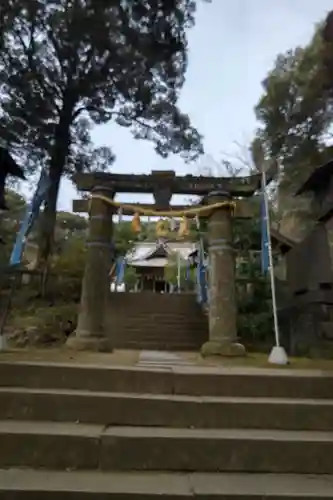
(264, 236)
(30, 217)
(120, 270)
(201, 280)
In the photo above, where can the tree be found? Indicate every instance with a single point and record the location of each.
(66, 65)
(130, 277)
(295, 115)
(124, 237)
(71, 222)
(327, 54)
(295, 110)
(8, 166)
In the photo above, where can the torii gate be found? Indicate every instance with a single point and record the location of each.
(218, 193)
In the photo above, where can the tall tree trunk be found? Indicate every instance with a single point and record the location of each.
(48, 219)
(56, 170)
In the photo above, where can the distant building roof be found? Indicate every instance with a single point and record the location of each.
(158, 262)
(155, 254)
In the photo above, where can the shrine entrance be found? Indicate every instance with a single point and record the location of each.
(222, 199)
(152, 283)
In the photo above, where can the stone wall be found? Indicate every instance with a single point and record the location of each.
(308, 331)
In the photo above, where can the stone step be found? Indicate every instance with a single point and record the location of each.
(154, 330)
(160, 322)
(165, 357)
(234, 382)
(16, 484)
(158, 326)
(157, 329)
(166, 411)
(161, 314)
(56, 446)
(162, 364)
(211, 450)
(162, 319)
(177, 301)
(160, 345)
(162, 333)
(157, 314)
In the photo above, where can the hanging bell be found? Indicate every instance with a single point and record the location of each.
(136, 223)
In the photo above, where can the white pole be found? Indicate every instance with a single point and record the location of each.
(270, 260)
(197, 221)
(278, 354)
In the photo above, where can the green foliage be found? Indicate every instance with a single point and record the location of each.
(124, 237)
(70, 222)
(67, 269)
(41, 325)
(293, 93)
(295, 115)
(255, 319)
(71, 260)
(130, 277)
(9, 224)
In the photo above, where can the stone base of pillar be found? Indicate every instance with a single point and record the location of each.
(94, 344)
(224, 349)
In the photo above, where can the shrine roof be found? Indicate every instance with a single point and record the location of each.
(158, 262)
(149, 251)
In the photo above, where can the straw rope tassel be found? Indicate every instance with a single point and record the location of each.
(183, 228)
(136, 223)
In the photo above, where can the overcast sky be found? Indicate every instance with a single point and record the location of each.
(232, 47)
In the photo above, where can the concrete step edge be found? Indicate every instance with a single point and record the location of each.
(229, 372)
(181, 398)
(171, 411)
(50, 428)
(15, 483)
(191, 380)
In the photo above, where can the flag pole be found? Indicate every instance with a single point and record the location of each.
(278, 354)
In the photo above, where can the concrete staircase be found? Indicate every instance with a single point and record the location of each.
(77, 432)
(169, 322)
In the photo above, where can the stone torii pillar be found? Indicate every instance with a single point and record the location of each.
(90, 333)
(222, 297)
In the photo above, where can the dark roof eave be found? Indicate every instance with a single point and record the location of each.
(317, 179)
